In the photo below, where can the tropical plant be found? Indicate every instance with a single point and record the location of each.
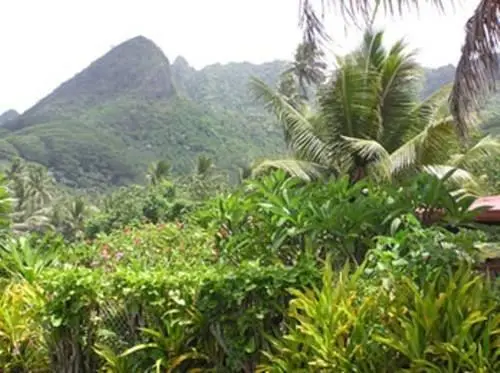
(33, 193)
(307, 67)
(206, 180)
(22, 348)
(477, 68)
(158, 171)
(450, 323)
(5, 206)
(370, 122)
(74, 215)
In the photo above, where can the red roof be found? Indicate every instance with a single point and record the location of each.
(492, 214)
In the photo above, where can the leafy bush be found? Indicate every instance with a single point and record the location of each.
(350, 325)
(226, 313)
(278, 218)
(22, 347)
(167, 246)
(135, 205)
(212, 292)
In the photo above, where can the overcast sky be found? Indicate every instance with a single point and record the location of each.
(45, 42)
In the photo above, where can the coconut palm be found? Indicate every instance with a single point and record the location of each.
(308, 66)
(40, 186)
(477, 68)
(158, 171)
(370, 121)
(5, 205)
(204, 166)
(73, 215)
(31, 189)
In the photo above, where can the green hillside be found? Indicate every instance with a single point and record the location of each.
(8, 116)
(131, 107)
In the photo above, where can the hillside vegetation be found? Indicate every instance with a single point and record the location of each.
(371, 263)
(130, 107)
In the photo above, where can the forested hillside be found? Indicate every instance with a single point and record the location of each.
(131, 107)
(8, 116)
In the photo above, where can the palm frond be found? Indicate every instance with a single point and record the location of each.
(478, 66)
(430, 146)
(484, 149)
(457, 177)
(312, 13)
(434, 106)
(297, 127)
(304, 170)
(349, 103)
(372, 153)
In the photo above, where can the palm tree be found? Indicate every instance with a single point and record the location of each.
(477, 68)
(5, 205)
(158, 171)
(370, 121)
(308, 66)
(204, 167)
(40, 186)
(16, 169)
(31, 189)
(74, 214)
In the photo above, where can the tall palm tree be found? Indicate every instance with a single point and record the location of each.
(74, 214)
(40, 186)
(477, 68)
(204, 166)
(31, 189)
(370, 121)
(158, 171)
(308, 66)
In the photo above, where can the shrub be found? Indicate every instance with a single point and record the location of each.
(278, 218)
(355, 325)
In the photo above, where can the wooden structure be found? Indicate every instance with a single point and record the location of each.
(492, 213)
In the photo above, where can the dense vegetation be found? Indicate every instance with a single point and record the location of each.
(131, 107)
(332, 260)
(208, 286)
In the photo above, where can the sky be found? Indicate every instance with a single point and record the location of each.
(45, 42)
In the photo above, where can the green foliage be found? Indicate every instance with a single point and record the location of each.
(5, 206)
(178, 317)
(234, 284)
(94, 133)
(134, 205)
(370, 122)
(166, 245)
(269, 220)
(451, 323)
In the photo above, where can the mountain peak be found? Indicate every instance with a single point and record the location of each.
(138, 42)
(8, 116)
(136, 68)
(181, 62)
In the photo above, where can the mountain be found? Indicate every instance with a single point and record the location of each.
(131, 107)
(490, 114)
(436, 78)
(8, 116)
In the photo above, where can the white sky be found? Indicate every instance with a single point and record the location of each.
(45, 42)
